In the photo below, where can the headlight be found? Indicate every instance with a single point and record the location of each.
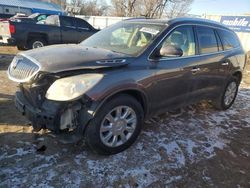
(70, 88)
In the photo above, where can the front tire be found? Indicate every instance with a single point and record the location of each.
(115, 126)
(227, 98)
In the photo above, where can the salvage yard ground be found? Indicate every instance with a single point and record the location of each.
(196, 146)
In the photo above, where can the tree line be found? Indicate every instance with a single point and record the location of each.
(131, 8)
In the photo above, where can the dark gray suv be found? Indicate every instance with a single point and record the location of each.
(104, 88)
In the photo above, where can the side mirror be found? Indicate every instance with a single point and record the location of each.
(171, 51)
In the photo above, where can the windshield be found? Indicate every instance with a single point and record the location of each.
(125, 37)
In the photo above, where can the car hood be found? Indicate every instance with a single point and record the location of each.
(58, 58)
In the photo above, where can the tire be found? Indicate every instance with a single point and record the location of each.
(36, 43)
(95, 134)
(221, 103)
(21, 48)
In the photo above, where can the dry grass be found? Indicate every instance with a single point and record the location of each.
(11, 50)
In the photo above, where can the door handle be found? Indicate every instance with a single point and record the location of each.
(225, 63)
(194, 70)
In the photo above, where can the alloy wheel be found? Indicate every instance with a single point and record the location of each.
(118, 126)
(230, 93)
(37, 44)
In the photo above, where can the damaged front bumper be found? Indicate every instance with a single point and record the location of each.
(55, 116)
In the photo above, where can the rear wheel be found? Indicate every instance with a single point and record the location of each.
(115, 126)
(37, 43)
(227, 98)
(20, 47)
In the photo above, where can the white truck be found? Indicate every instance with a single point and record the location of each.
(5, 32)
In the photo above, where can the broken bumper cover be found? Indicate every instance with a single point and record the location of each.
(50, 114)
(45, 118)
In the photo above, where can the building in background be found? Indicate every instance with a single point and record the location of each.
(9, 8)
(61, 3)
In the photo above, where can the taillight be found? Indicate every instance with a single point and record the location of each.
(12, 29)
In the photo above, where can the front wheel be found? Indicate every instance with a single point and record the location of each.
(115, 126)
(227, 98)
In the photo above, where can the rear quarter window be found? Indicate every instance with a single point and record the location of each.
(228, 39)
(82, 24)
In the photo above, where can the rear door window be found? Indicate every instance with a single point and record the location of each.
(67, 22)
(229, 39)
(207, 40)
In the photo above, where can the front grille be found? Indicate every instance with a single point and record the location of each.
(22, 69)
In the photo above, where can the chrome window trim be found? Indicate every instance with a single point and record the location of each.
(72, 27)
(196, 55)
(83, 28)
(192, 56)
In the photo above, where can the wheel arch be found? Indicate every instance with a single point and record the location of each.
(238, 75)
(139, 95)
(37, 35)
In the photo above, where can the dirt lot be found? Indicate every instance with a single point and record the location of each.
(194, 147)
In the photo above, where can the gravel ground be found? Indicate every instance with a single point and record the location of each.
(195, 146)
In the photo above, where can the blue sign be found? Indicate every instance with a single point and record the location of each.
(237, 23)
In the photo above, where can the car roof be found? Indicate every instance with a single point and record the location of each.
(182, 20)
(147, 20)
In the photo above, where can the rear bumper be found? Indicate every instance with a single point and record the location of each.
(7, 41)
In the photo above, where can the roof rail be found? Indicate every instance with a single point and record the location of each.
(138, 18)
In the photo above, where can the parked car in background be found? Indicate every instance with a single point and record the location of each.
(105, 87)
(54, 29)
